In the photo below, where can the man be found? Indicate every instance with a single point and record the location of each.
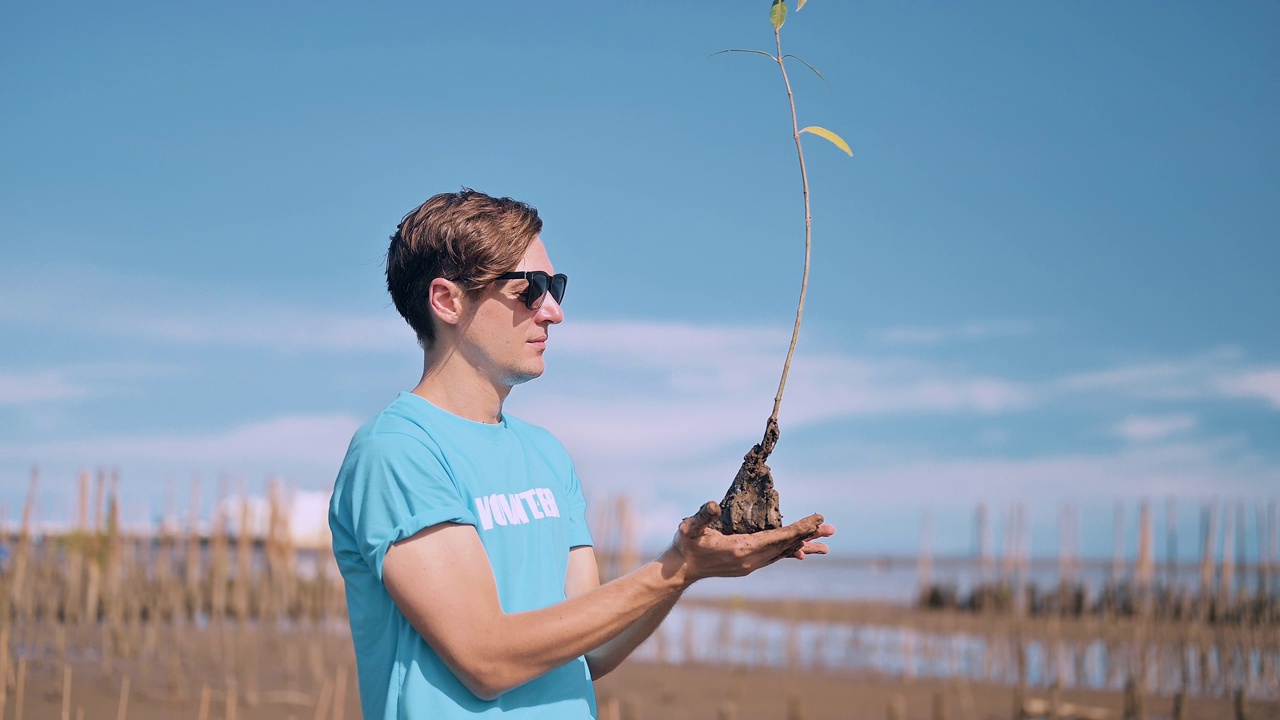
(472, 585)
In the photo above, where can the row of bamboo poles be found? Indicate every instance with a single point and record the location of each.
(221, 622)
(1220, 592)
(178, 622)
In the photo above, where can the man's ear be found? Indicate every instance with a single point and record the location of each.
(445, 298)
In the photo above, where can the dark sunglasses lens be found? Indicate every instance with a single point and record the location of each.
(558, 284)
(538, 283)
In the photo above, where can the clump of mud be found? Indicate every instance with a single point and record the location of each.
(751, 504)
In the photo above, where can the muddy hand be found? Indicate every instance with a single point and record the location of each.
(807, 546)
(705, 552)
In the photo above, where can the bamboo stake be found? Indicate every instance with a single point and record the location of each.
(206, 696)
(1145, 570)
(1225, 587)
(1241, 550)
(192, 568)
(4, 664)
(1064, 563)
(244, 547)
(324, 701)
(233, 700)
(897, 709)
(924, 564)
(340, 694)
(66, 691)
(1209, 529)
(1273, 532)
(1260, 531)
(795, 708)
(1023, 544)
(20, 691)
(983, 531)
(1117, 557)
(24, 548)
(122, 708)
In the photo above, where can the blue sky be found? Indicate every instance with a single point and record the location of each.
(1049, 271)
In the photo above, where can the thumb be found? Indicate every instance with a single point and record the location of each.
(693, 526)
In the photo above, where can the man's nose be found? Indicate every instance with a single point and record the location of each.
(551, 310)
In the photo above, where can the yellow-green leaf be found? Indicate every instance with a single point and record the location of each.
(778, 13)
(800, 5)
(834, 138)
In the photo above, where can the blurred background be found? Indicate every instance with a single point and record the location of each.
(1039, 346)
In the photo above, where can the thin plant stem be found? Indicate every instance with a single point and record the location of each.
(808, 233)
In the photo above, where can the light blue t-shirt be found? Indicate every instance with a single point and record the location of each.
(414, 466)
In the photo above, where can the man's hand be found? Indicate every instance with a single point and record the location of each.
(699, 551)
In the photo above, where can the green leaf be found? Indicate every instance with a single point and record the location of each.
(778, 13)
(834, 138)
(753, 52)
(814, 69)
(800, 5)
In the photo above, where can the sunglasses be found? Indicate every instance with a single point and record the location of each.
(540, 283)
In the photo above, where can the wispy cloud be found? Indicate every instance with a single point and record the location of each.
(918, 335)
(1143, 428)
(1260, 384)
(104, 305)
(23, 389)
(1169, 379)
(298, 439)
(630, 387)
(1222, 374)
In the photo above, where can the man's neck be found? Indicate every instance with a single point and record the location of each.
(457, 388)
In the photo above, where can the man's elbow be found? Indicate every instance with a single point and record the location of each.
(488, 680)
(600, 666)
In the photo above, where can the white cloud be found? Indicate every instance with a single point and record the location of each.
(1141, 471)
(37, 388)
(277, 329)
(1216, 375)
(1143, 428)
(704, 386)
(900, 485)
(107, 305)
(291, 440)
(917, 335)
(1262, 384)
(1172, 379)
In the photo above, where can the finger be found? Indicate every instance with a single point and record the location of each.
(824, 531)
(814, 548)
(794, 534)
(693, 526)
(808, 549)
(807, 527)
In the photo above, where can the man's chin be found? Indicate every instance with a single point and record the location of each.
(521, 377)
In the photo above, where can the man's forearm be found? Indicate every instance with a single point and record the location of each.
(442, 582)
(610, 655)
(492, 652)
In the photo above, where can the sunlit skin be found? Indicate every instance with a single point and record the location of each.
(441, 579)
(487, 345)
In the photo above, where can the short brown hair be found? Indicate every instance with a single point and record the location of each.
(467, 237)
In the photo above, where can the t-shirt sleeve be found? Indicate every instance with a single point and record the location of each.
(392, 486)
(579, 533)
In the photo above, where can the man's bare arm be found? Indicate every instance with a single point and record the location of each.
(584, 576)
(442, 581)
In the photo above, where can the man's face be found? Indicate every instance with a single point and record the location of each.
(503, 338)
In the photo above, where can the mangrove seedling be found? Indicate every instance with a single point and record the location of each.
(751, 504)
